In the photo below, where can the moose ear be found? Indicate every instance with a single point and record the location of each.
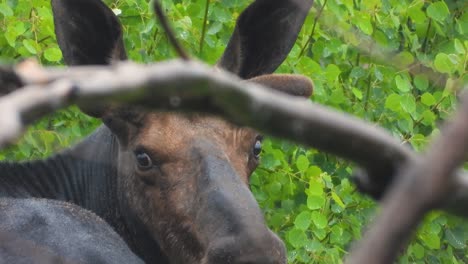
(292, 84)
(264, 34)
(87, 32)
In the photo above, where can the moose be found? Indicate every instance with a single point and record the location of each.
(174, 186)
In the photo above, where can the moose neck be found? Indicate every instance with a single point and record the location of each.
(86, 175)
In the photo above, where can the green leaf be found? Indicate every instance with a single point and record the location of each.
(315, 202)
(214, 28)
(402, 83)
(428, 99)
(320, 221)
(462, 24)
(320, 233)
(443, 64)
(405, 124)
(303, 220)
(458, 45)
(418, 251)
(357, 93)
(313, 172)
(363, 21)
(332, 72)
(297, 238)
(357, 72)
(336, 235)
(338, 97)
(269, 161)
(416, 14)
(418, 141)
(302, 163)
(428, 118)
(421, 82)
(30, 44)
(408, 103)
(6, 10)
(53, 54)
(274, 188)
(337, 200)
(393, 102)
(47, 137)
(404, 58)
(315, 187)
(455, 238)
(438, 11)
(432, 241)
(13, 31)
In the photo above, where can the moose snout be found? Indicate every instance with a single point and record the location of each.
(229, 220)
(251, 247)
(239, 235)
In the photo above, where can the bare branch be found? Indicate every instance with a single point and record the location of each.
(418, 188)
(9, 81)
(169, 32)
(192, 86)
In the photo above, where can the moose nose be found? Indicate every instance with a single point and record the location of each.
(255, 247)
(229, 219)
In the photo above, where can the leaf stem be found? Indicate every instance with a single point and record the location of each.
(366, 102)
(424, 45)
(309, 40)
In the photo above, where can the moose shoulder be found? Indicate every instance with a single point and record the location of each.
(174, 186)
(42, 231)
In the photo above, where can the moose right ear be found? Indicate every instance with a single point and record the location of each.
(264, 35)
(87, 32)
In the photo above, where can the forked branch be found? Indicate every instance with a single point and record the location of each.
(419, 187)
(192, 86)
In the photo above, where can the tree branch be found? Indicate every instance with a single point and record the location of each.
(192, 86)
(418, 188)
(169, 32)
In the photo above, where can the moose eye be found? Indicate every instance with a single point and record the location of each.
(144, 160)
(257, 148)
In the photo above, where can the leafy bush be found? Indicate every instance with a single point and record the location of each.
(396, 63)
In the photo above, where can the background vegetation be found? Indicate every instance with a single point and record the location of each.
(396, 63)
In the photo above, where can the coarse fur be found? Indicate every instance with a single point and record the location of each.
(46, 231)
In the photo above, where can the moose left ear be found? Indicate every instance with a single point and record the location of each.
(88, 32)
(292, 84)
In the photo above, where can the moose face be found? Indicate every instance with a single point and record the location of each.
(184, 177)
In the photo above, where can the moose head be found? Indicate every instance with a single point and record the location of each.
(182, 180)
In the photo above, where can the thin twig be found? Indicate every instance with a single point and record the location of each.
(205, 18)
(426, 38)
(313, 30)
(169, 32)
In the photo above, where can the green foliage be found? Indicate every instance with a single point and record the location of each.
(408, 86)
